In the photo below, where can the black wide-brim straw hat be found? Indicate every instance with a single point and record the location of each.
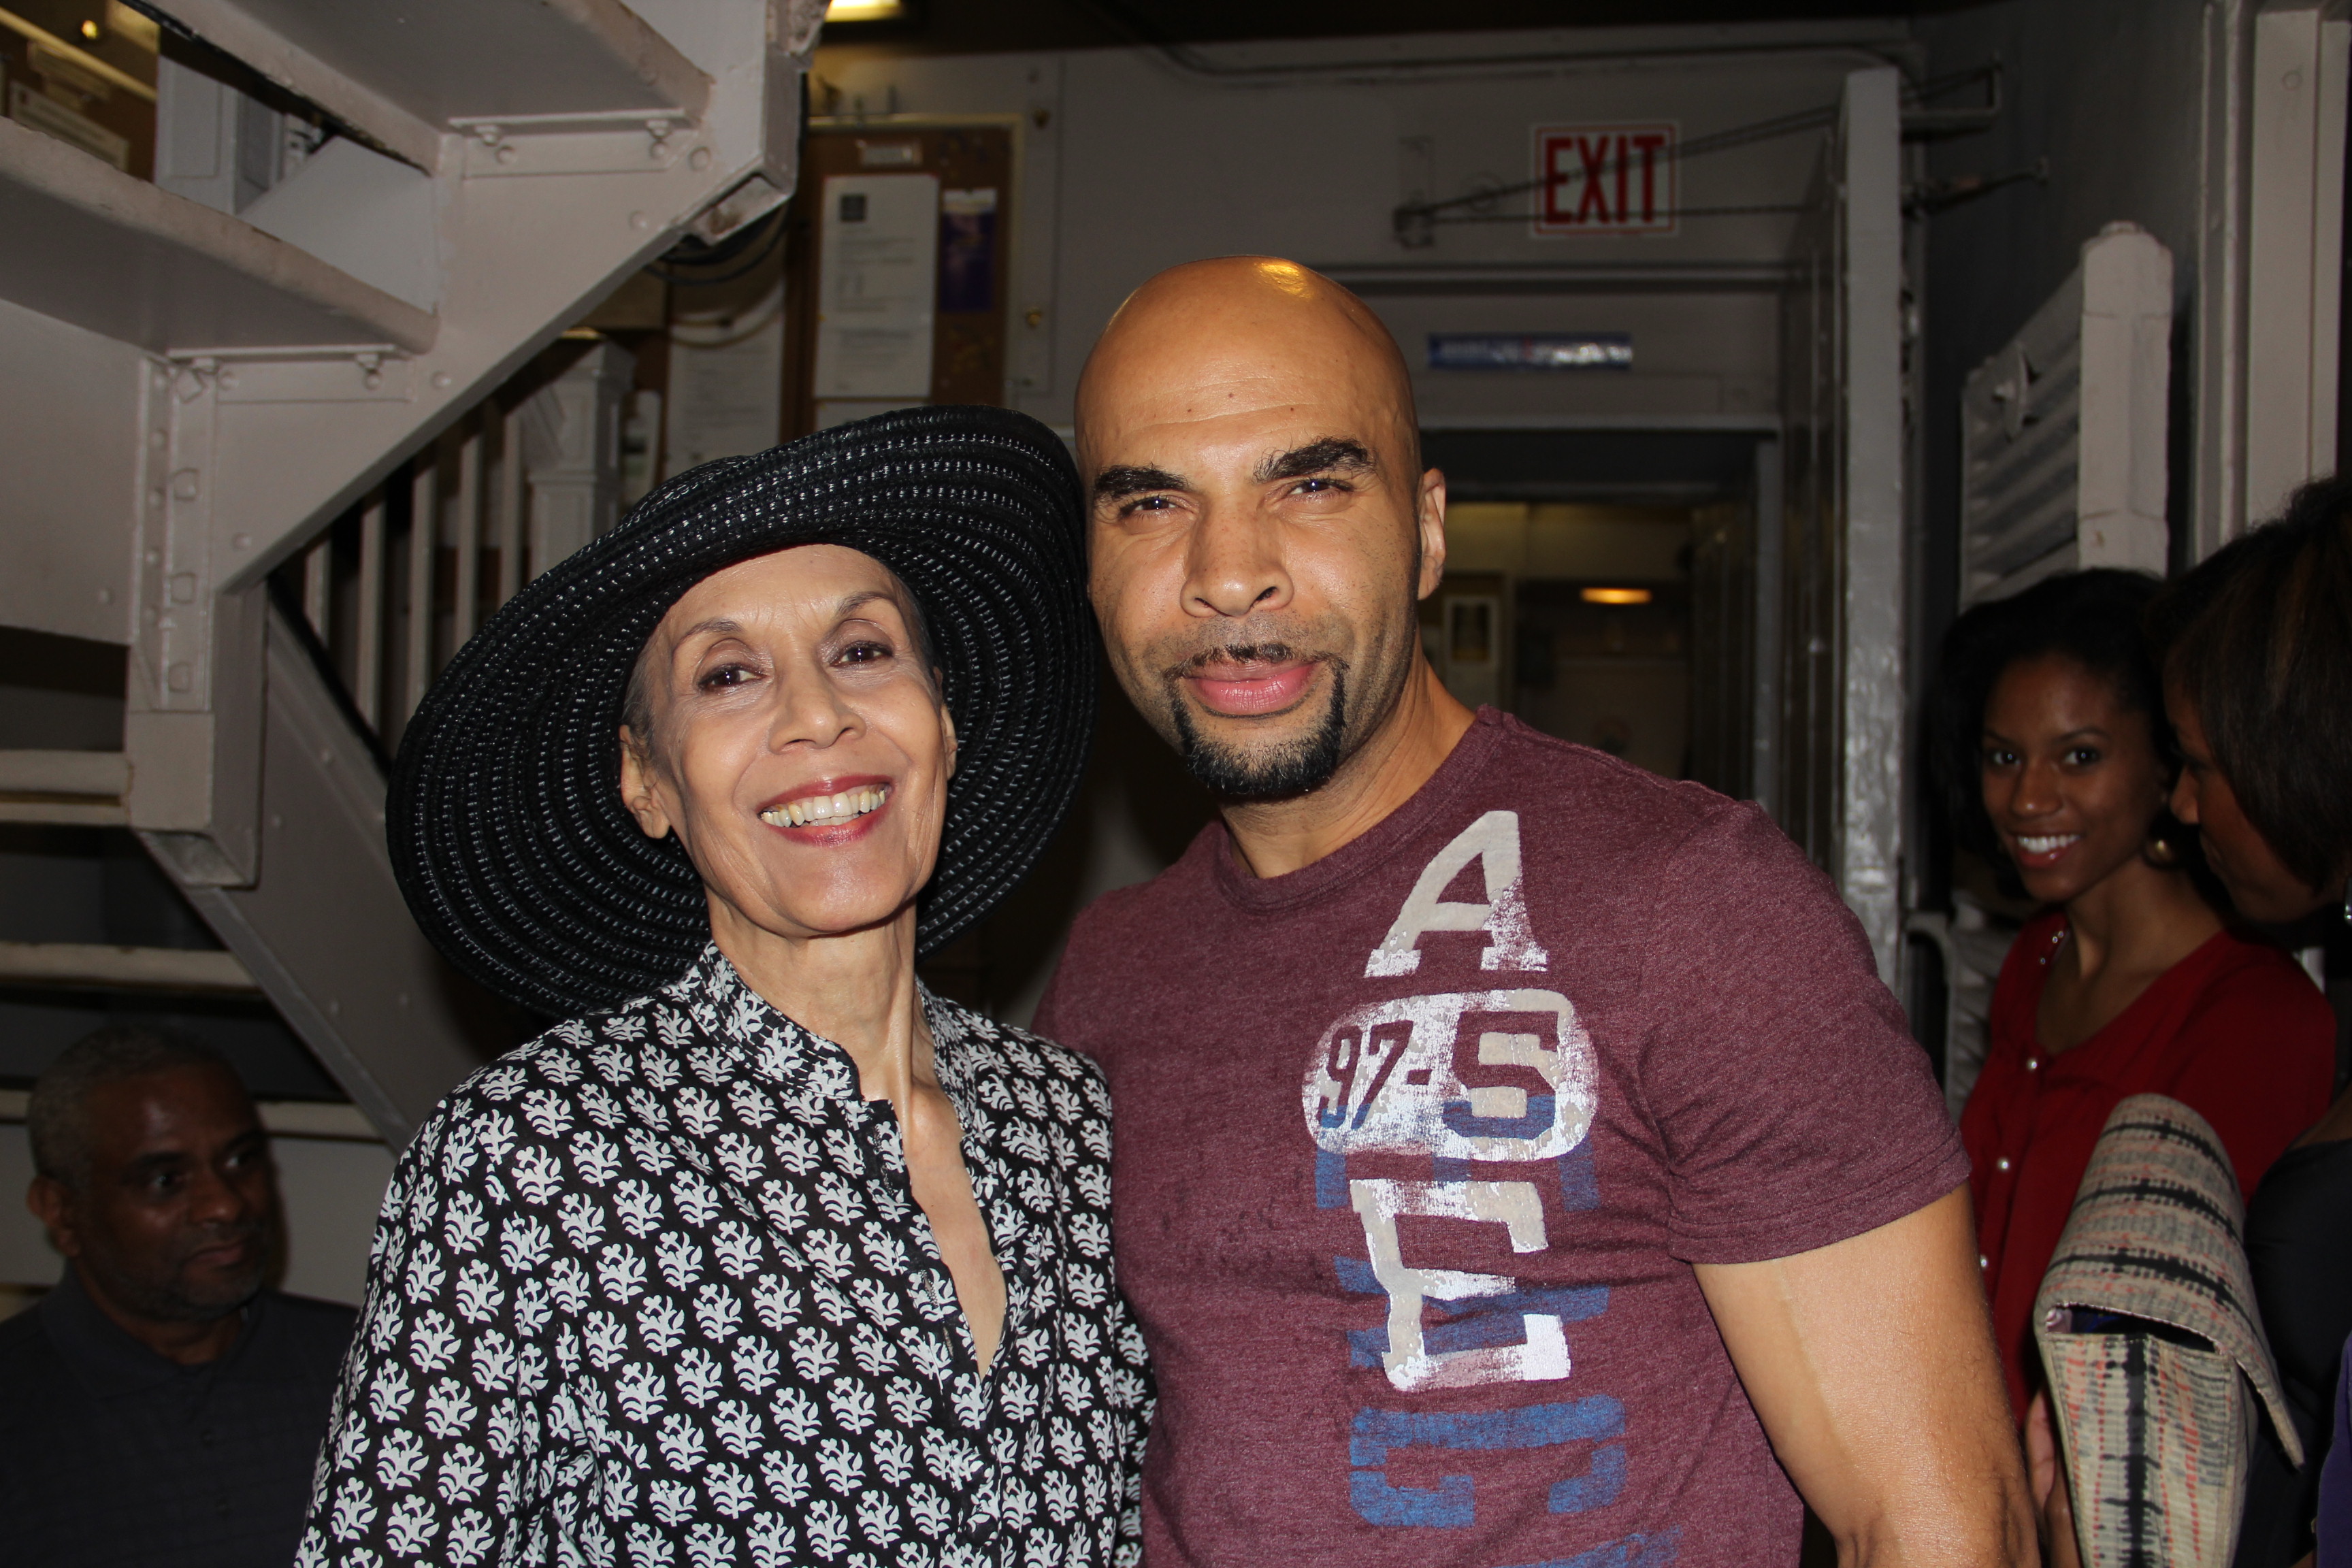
(505, 819)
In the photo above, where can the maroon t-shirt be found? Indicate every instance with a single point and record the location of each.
(1414, 1149)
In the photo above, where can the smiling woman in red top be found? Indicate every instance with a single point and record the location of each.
(2057, 762)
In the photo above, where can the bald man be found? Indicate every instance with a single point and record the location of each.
(1516, 1154)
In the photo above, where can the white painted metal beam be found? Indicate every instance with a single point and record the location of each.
(323, 928)
(2293, 267)
(93, 247)
(1870, 818)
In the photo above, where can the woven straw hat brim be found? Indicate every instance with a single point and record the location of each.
(504, 819)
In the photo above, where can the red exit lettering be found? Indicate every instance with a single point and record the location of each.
(1617, 178)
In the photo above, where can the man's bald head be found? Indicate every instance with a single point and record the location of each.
(1244, 318)
(1261, 527)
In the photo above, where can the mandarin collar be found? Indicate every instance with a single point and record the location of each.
(108, 1359)
(728, 1013)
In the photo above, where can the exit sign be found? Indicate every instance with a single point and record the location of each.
(1615, 178)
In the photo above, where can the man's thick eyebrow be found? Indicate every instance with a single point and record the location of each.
(1333, 454)
(1121, 480)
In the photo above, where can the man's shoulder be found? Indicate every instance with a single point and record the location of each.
(1584, 784)
(1576, 817)
(310, 1316)
(23, 1340)
(33, 1375)
(1139, 906)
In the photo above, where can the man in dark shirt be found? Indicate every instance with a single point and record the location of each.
(160, 1406)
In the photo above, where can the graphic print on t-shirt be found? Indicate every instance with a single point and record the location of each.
(1491, 1087)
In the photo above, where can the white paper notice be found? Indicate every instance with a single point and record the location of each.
(880, 253)
(727, 383)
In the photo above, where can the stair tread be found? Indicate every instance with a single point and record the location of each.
(442, 63)
(94, 247)
(103, 966)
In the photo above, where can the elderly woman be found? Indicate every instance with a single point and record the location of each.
(767, 1255)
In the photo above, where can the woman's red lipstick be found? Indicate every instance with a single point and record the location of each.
(830, 810)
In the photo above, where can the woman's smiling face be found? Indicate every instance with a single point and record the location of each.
(2070, 777)
(797, 745)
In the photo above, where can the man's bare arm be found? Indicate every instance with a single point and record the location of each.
(1870, 1363)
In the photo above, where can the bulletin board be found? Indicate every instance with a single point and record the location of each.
(897, 270)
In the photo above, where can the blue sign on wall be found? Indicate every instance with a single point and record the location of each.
(1530, 351)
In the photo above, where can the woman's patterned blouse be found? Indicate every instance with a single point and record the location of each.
(654, 1289)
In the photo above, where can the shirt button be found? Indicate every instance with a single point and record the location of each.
(2002, 1164)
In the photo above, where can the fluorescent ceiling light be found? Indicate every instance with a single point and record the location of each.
(864, 10)
(1616, 596)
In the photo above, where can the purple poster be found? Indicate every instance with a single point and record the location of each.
(968, 249)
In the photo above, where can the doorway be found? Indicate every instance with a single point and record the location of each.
(1602, 586)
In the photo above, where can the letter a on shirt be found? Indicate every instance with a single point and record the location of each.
(1494, 841)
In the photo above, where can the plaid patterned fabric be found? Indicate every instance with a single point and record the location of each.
(2154, 1415)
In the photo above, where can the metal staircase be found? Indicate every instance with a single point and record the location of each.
(197, 380)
